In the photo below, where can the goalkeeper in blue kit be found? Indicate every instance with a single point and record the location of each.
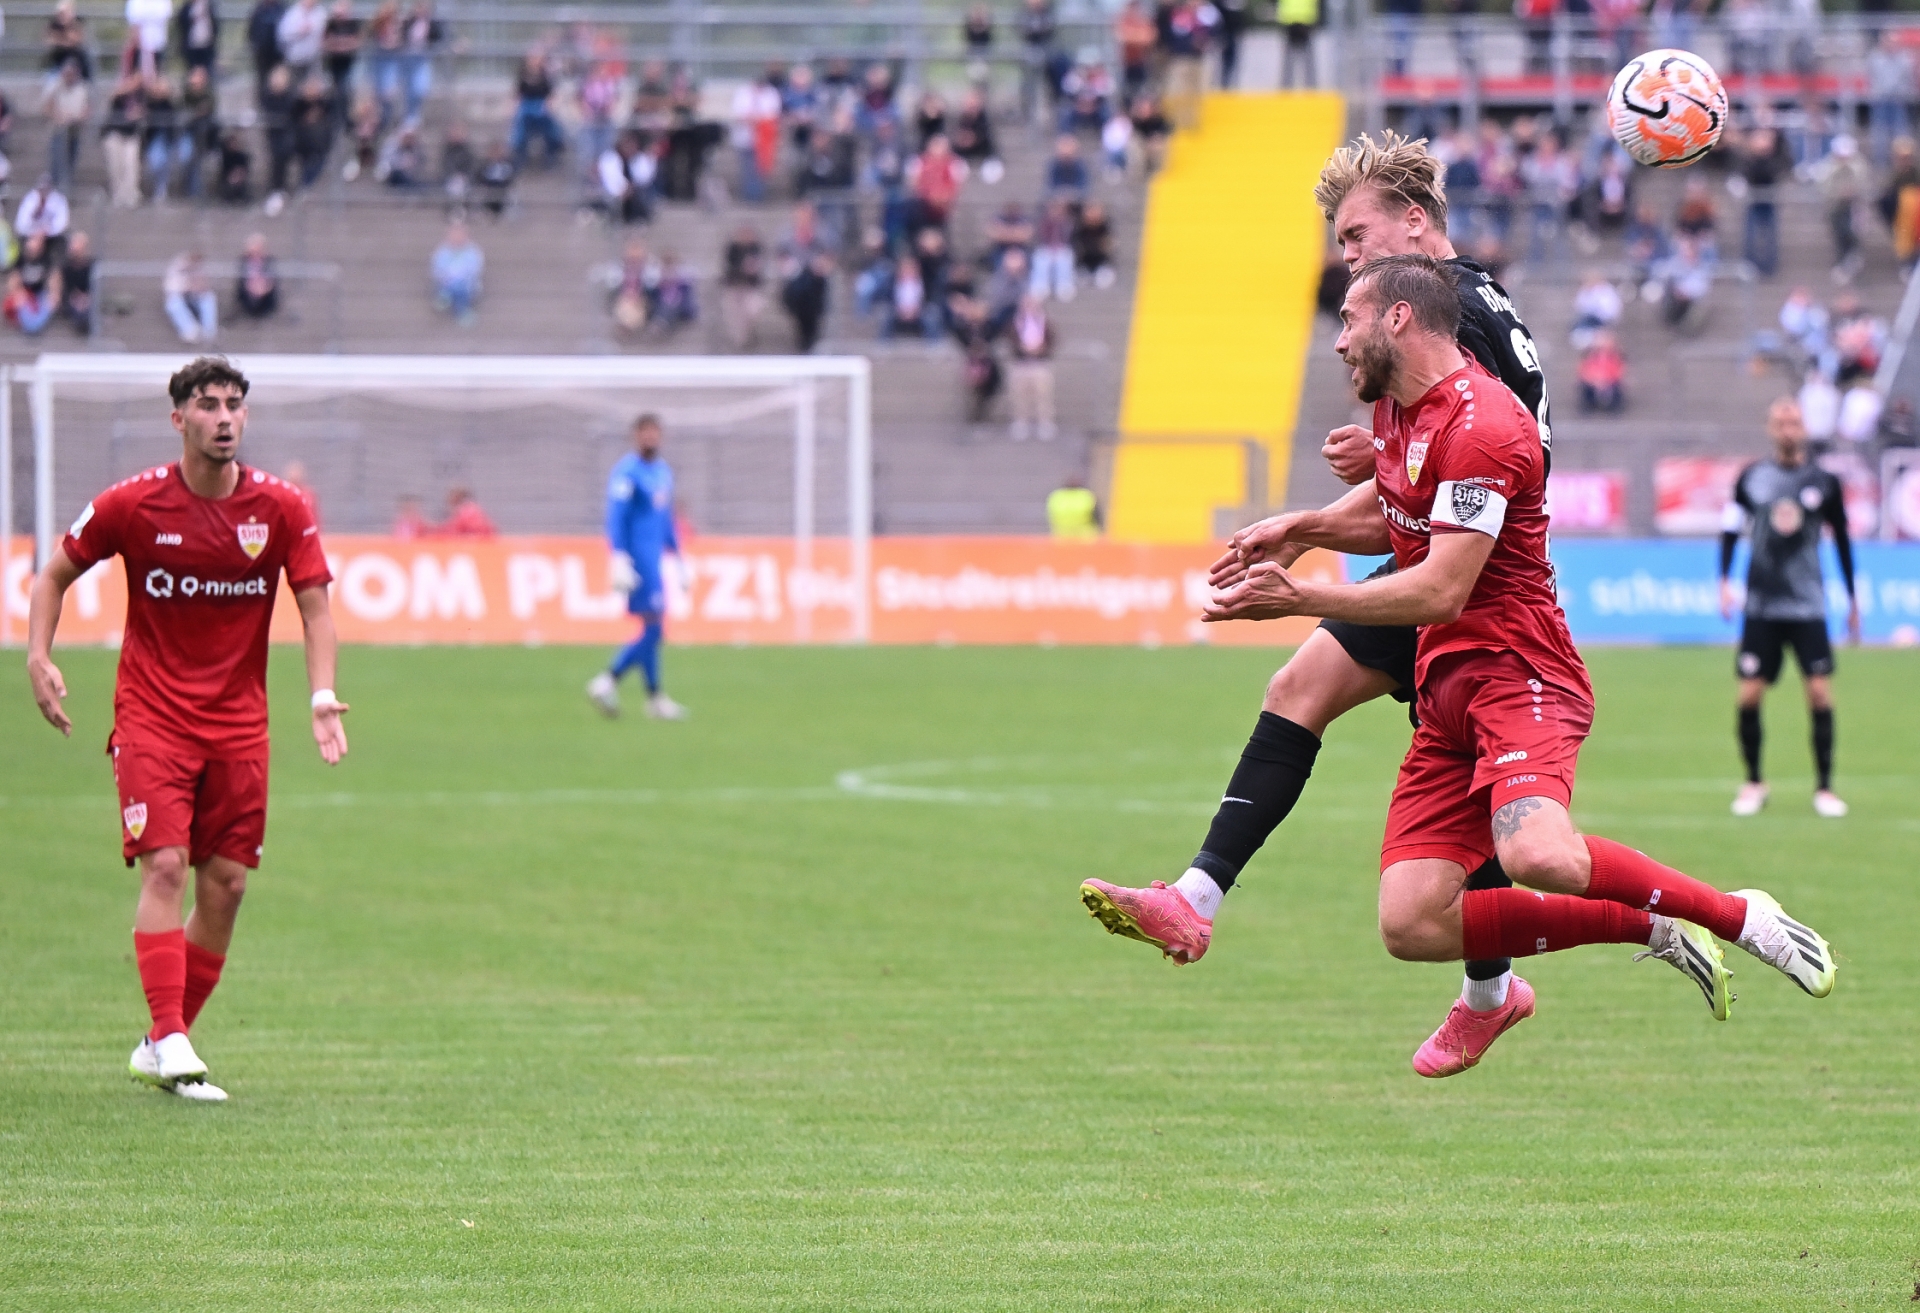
(639, 532)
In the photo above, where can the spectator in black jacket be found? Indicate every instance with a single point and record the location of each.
(494, 182)
(198, 22)
(742, 282)
(276, 117)
(972, 137)
(1093, 243)
(1762, 164)
(76, 283)
(197, 128)
(263, 39)
(257, 286)
(314, 117)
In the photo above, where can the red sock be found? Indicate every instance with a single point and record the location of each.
(1520, 923)
(1621, 875)
(163, 974)
(203, 973)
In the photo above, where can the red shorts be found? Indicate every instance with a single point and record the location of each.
(1490, 731)
(175, 797)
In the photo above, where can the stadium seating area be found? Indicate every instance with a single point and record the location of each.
(353, 252)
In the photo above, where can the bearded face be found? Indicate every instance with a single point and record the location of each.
(1369, 352)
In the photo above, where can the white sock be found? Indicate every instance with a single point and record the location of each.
(1486, 995)
(1198, 888)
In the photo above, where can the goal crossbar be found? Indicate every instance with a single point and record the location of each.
(802, 375)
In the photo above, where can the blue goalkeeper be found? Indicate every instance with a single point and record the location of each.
(639, 532)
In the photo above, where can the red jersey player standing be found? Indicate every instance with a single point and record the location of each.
(1503, 699)
(204, 542)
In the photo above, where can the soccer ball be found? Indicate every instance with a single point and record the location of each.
(1667, 108)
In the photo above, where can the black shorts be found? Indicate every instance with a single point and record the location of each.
(1763, 644)
(1386, 648)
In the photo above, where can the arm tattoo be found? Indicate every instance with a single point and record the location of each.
(1506, 821)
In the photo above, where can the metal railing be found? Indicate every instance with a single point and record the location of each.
(1475, 61)
(489, 38)
(227, 271)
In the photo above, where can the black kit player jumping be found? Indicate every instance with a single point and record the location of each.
(1382, 199)
(1782, 503)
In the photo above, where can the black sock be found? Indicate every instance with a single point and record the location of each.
(1489, 876)
(1823, 746)
(1750, 742)
(1273, 769)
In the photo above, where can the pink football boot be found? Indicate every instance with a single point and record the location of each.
(1159, 915)
(1465, 1036)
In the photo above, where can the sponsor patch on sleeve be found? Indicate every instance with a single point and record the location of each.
(1466, 505)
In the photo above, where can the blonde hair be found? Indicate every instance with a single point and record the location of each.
(1403, 172)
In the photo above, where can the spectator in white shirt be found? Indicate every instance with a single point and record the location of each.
(43, 212)
(302, 32)
(1596, 305)
(190, 301)
(1819, 406)
(756, 135)
(626, 175)
(68, 104)
(1859, 419)
(147, 22)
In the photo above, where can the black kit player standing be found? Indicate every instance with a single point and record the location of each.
(1383, 199)
(1782, 503)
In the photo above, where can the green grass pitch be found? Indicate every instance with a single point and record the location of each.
(793, 1006)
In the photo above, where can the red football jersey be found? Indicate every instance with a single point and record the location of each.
(201, 580)
(1466, 458)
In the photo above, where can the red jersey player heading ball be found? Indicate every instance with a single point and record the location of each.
(204, 542)
(1502, 697)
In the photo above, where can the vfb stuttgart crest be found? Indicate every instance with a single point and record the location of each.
(135, 816)
(1416, 460)
(1469, 499)
(253, 539)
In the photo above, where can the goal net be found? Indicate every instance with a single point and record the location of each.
(772, 448)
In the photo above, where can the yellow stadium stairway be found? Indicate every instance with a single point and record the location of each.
(1223, 314)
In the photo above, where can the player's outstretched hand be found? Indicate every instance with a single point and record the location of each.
(1349, 452)
(328, 732)
(49, 690)
(1263, 541)
(1267, 593)
(1853, 621)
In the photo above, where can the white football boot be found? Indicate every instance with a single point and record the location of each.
(604, 694)
(1828, 804)
(1750, 799)
(1783, 943)
(662, 707)
(200, 1091)
(148, 1066)
(1698, 957)
(177, 1061)
(144, 1065)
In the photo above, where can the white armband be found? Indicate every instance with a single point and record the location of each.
(1469, 506)
(1733, 519)
(323, 697)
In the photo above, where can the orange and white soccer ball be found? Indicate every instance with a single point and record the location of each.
(1667, 108)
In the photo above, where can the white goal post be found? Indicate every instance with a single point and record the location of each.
(746, 412)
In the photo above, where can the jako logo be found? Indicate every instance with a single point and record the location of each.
(1511, 756)
(1522, 779)
(166, 540)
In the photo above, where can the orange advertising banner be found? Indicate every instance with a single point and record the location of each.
(532, 590)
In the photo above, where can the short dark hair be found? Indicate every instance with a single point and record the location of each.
(648, 421)
(1421, 281)
(204, 372)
